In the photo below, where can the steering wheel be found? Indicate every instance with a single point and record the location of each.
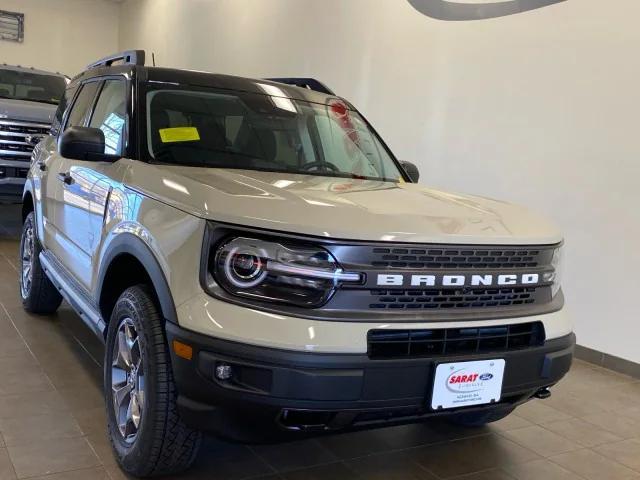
(318, 165)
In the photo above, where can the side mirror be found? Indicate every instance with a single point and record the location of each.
(83, 143)
(411, 170)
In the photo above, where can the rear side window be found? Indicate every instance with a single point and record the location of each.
(110, 116)
(65, 101)
(82, 106)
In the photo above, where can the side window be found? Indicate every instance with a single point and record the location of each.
(82, 106)
(110, 116)
(65, 101)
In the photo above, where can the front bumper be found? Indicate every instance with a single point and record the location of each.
(325, 391)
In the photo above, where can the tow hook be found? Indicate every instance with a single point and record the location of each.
(543, 393)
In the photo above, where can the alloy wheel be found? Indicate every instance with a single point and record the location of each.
(127, 380)
(28, 253)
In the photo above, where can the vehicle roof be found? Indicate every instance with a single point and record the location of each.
(208, 79)
(20, 68)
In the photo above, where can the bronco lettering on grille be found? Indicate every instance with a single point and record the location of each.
(398, 280)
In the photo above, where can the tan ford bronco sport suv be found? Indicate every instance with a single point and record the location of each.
(256, 260)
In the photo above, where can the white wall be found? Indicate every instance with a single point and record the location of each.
(539, 108)
(62, 35)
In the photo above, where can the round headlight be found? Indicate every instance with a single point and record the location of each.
(245, 267)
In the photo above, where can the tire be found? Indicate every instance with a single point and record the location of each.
(160, 443)
(479, 419)
(38, 294)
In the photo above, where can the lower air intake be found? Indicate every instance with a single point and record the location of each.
(453, 341)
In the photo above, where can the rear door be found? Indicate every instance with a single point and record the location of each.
(42, 157)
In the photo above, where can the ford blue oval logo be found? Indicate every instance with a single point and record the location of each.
(486, 376)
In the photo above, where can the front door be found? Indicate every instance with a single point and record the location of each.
(67, 197)
(110, 116)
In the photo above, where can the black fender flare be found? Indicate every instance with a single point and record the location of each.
(127, 243)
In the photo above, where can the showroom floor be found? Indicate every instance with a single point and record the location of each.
(52, 420)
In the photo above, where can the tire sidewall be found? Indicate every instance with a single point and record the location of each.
(132, 455)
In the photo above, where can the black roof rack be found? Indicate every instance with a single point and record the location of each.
(133, 57)
(308, 83)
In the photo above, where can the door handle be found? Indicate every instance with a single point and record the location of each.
(65, 177)
(41, 165)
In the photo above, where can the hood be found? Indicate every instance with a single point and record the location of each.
(340, 208)
(26, 111)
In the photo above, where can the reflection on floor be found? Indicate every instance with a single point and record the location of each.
(52, 420)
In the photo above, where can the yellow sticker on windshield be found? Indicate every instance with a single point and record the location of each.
(179, 134)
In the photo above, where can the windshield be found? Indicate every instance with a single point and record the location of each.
(33, 87)
(208, 128)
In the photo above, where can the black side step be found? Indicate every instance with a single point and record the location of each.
(73, 293)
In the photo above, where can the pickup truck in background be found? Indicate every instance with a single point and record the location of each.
(28, 100)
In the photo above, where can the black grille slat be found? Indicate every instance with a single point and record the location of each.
(475, 258)
(451, 298)
(384, 344)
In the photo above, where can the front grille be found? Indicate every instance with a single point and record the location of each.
(384, 344)
(13, 138)
(457, 258)
(441, 298)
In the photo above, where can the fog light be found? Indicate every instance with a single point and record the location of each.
(223, 371)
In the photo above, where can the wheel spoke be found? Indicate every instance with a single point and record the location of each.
(124, 350)
(120, 395)
(130, 332)
(141, 389)
(135, 411)
(135, 353)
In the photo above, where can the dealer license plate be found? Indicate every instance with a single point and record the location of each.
(464, 384)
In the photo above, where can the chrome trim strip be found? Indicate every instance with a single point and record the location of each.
(311, 272)
(14, 142)
(13, 153)
(12, 181)
(14, 163)
(24, 124)
(5, 133)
